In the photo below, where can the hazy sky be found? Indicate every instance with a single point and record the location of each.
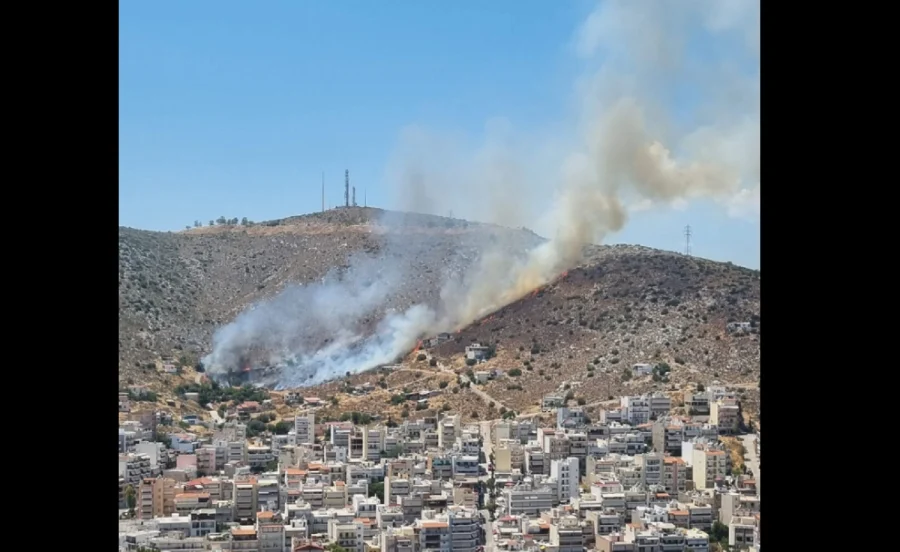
(235, 108)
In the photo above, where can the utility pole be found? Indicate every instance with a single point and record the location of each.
(687, 240)
(347, 188)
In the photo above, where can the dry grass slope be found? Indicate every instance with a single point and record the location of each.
(623, 305)
(175, 289)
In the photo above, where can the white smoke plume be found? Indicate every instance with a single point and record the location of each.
(625, 148)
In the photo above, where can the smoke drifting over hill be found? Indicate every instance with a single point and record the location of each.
(623, 150)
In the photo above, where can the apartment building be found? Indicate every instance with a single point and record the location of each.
(134, 468)
(742, 532)
(210, 459)
(614, 543)
(566, 473)
(464, 465)
(570, 417)
(650, 468)
(433, 535)
(156, 498)
(508, 456)
(305, 427)
(335, 496)
(604, 521)
(245, 500)
(235, 451)
(700, 516)
(122, 503)
(258, 456)
(667, 436)
(527, 499)
(675, 474)
(268, 494)
(567, 534)
(449, 429)
(465, 529)
(521, 430)
(697, 404)
(127, 440)
(348, 535)
(725, 414)
(204, 522)
(735, 504)
(555, 444)
(537, 462)
(465, 496)
(635, 410)
(709, 464)
(399, 540)
(660, 404)
(185, 503)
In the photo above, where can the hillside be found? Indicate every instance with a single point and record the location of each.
(175, 289)
(623, 305)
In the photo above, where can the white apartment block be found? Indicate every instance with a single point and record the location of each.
(305, 427)
(465, 465)
(742, 532)
(635, 410)
(566, 473)
(348, 535)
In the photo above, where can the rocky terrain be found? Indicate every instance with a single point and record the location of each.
(577, 336)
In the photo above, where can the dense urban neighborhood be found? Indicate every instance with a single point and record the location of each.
(630, 476)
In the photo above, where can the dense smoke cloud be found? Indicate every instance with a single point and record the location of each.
(623, 150)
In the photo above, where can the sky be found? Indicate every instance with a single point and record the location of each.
(236, 108)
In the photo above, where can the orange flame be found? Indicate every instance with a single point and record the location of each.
(418, 346)
(564, 274)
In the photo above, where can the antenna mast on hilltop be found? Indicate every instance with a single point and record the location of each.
(354, 197)
(347, 188)
(687, 240)
(365, 197)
